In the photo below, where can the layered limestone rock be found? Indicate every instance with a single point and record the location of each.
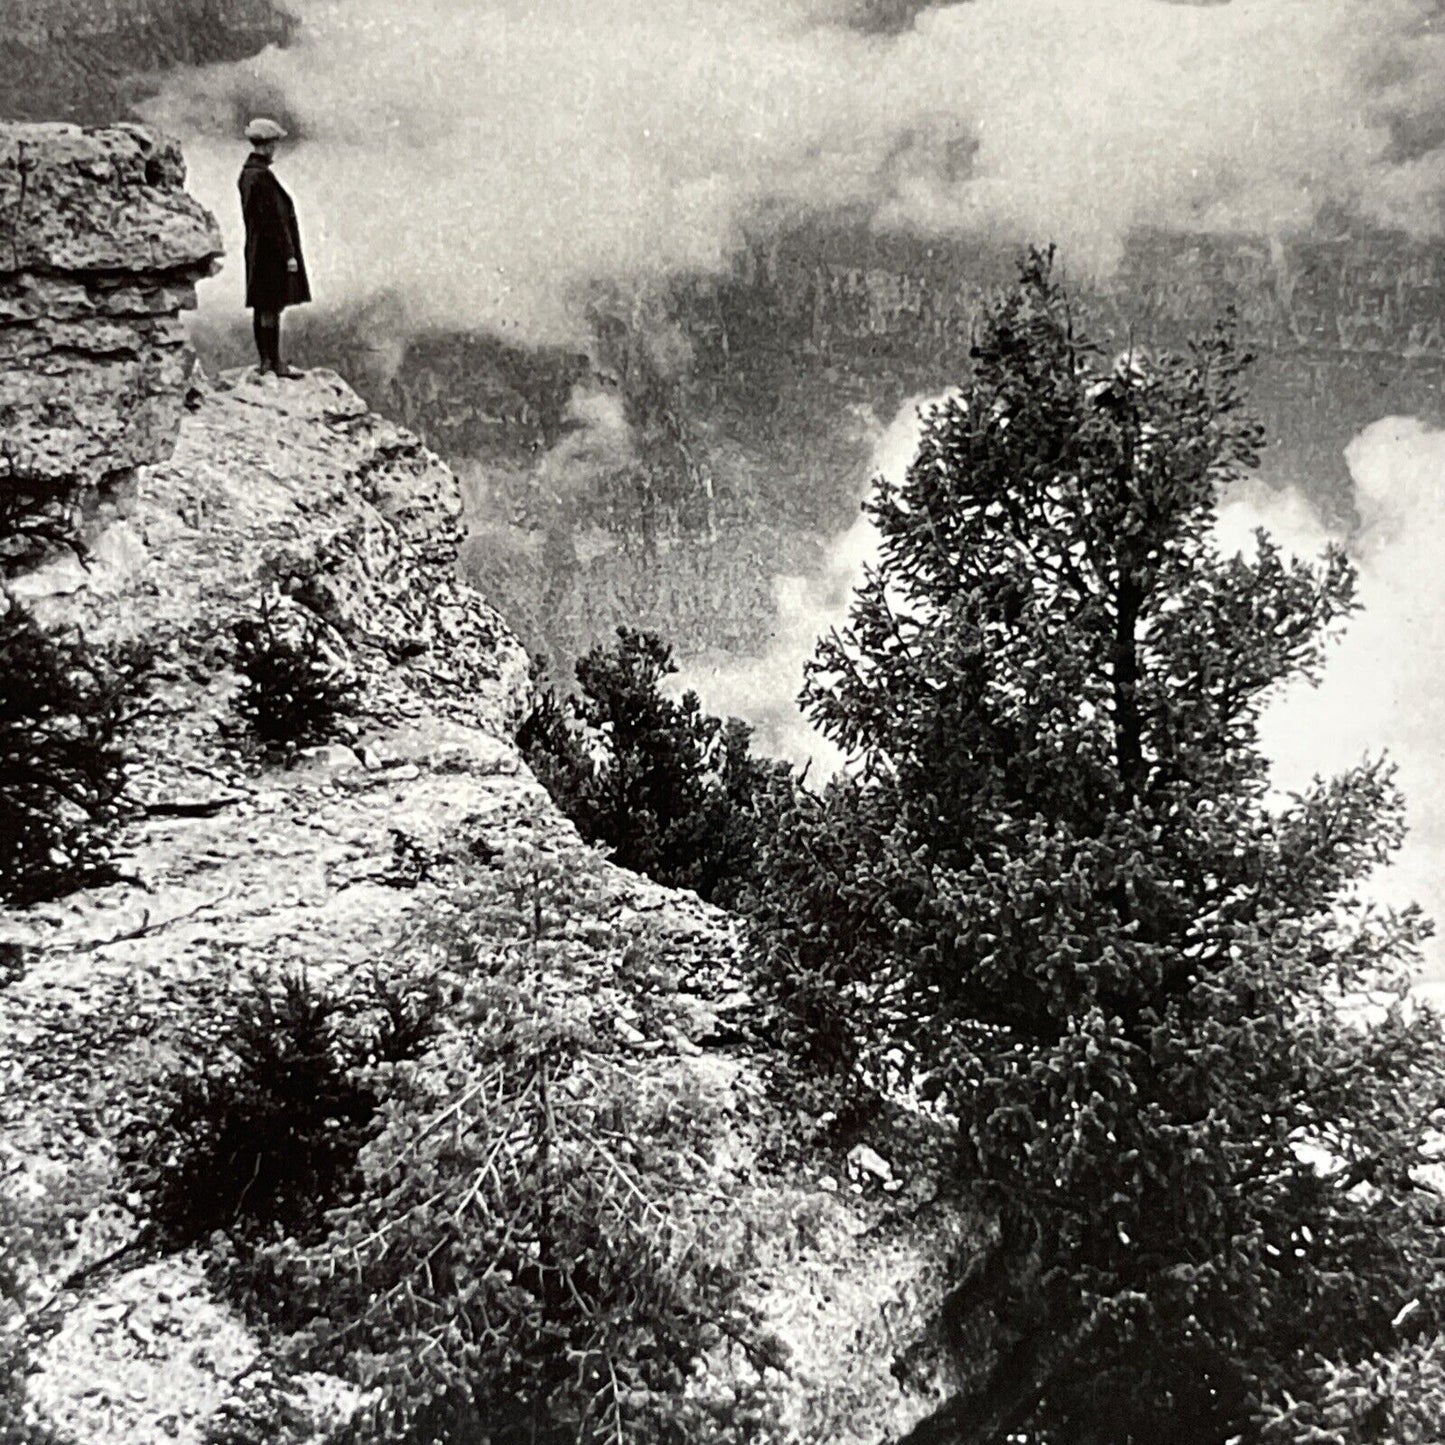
(238, 865)
(100, 251)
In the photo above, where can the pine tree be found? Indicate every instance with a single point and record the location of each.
(1056, 891)
(673, 791)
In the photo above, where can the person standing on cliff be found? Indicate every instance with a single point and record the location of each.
(275, 268)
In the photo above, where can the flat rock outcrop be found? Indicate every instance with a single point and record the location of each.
(100, 251)
(236, 865)
(294, 492)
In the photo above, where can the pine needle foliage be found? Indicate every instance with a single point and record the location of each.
(675, 793)
(298, 688)
(538, 1251)
(1396, 1397)
(1056, 896)
(259, 1128)
(65, 710)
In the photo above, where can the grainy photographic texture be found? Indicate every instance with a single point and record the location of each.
(720, 720)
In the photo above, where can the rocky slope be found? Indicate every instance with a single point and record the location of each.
(234, 865)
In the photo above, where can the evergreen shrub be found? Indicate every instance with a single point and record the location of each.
(65, 709)
(258, 1130)
(1056, 895)
(675, 793)
(537, 1249)
(298, 688)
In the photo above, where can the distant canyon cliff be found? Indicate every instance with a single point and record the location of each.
(752, 405)
(89, 61)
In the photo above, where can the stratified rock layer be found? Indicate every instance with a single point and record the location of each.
(100, 252)
(236, 865)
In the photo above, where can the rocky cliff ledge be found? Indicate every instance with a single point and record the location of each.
(100, 252)
(247, 486)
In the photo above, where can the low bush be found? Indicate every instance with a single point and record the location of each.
(259, 1131)
(298, 687)
(65, 711)
(36, 518)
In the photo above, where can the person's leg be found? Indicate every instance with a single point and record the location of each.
(260, 329)
(267, 328)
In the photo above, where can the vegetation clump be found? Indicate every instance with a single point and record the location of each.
(673, 792)
(1393, 1398)
(259, 1129)
(532, 1245)
(1055, 895)
(36, 519)
(297, 688)
(65, 711)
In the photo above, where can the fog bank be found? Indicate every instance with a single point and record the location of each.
(484, 162)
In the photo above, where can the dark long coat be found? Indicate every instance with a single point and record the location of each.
(272, 239)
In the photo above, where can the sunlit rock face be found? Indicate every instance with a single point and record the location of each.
(100, 252)
(234, 868)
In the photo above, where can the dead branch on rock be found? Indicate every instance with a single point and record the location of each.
(145, 928)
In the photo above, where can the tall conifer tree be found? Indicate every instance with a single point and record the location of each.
(1057, 892)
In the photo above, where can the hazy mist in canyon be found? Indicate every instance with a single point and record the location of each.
(487, 161)
(490, 168)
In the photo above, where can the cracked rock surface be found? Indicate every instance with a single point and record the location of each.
(218, 493)
(100, 251)
(292, 487)
(236, 864)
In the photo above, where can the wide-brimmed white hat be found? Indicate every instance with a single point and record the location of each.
(264, 129)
